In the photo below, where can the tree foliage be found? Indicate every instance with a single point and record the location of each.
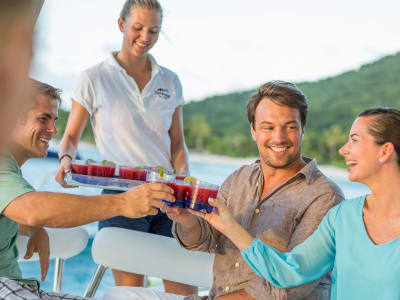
(333, 105)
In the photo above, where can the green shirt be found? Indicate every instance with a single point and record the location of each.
(12, 185)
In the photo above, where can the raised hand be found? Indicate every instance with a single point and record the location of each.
(146, 199)
(65, 167)
(179, 215)
(222, 220)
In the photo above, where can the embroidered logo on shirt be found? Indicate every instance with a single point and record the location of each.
(164, 93)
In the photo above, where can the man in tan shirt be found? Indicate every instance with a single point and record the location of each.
(281, 198)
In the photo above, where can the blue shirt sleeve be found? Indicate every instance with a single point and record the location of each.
(306, 262)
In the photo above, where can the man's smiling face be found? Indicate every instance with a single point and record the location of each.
(278, 134)
(35, 130)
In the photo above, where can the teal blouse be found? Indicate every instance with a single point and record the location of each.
(362, 270)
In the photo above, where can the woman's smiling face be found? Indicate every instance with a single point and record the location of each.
(141, 30)
(361, 152)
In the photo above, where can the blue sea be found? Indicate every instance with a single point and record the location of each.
(79, 269)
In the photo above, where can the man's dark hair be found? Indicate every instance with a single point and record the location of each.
(280, 92)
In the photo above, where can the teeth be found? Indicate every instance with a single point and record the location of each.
(279, 149)
(351, 162)
(44, 140)
(142, 45)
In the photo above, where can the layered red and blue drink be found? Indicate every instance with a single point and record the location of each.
(198, 196)
(166, 178)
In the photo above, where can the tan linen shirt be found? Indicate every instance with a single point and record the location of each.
(283, 219)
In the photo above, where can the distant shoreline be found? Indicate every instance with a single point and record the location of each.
(330, 171)
(220, 159)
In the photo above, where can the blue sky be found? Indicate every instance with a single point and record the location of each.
(219, 46)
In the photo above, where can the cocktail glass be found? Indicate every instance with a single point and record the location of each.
(162, 177)
(79, 167)
(100, 169)
(181, 176)
(199, 194)
(181, 191)
(136, 173)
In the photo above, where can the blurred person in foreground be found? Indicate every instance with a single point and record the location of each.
(16, 35)
(359, 239)
(25, 211)
(281, 199)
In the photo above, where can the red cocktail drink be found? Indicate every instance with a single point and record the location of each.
(79, 167)
(161, 177)
(97, 169)
(132, 173)
(199, 194)
(181, 190)
(204, 193)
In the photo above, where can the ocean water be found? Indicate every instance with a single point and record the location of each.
(79, 269)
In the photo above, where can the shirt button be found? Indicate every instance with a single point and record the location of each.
(227, 289)
(257, 210)
(237, 265)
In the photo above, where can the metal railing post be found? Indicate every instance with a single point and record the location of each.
(58, 275)
(95, 281)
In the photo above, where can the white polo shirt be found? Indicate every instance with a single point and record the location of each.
(130, 127)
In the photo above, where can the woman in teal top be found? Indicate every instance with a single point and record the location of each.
(358, 239)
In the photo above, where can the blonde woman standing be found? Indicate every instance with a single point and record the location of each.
(135, 108)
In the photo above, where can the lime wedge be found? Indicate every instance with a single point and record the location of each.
(108, 163)
(190, 179)
(90, 161)
(139, 168)
(159, 168)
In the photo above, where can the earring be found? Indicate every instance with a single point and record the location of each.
(380, 160)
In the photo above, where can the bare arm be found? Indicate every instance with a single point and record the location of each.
(179, 152)
(26, 230)
(66, 210)
(77, 120)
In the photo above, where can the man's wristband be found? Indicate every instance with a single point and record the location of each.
(64, 155)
